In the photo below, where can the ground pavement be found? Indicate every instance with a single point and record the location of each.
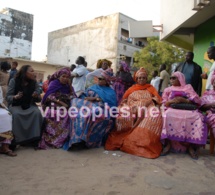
(100, 172)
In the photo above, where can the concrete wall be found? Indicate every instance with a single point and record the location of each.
(42, 69)
(124, 48)
(16, 31)
(174, 13)
(94, 40)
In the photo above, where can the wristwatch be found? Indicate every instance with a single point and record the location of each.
(97, 99)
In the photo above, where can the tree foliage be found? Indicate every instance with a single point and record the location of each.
(156, 53)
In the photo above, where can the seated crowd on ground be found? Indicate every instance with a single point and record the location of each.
(82, 109)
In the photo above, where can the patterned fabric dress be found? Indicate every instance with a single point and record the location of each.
(56, 127)
(86, 128)
(123, 81)
(183, 127)
(5, 122)
(4, 77)
(207, 98)
(138, 134)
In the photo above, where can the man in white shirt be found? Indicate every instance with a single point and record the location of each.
(79, 74)
(155, 80)
(211, 56)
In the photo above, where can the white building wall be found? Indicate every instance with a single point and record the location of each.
(16, 30)
(174, 13)
(95, 39)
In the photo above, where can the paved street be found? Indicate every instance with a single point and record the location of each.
(96, 171)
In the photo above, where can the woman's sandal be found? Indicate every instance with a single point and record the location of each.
(8, 153)
(193, 154)
(166, 150)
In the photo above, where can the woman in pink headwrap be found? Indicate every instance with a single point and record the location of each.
(183, 130)
(208, 104)
(123, 81)
(58, 94)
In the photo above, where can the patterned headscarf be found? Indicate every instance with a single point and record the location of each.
(55, 85)
(213, 78)
(108, 75)
(180, 77)
(60, 72)
(141, 70)
(125, 66)
(100, 62)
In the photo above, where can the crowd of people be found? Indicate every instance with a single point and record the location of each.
(82, 109)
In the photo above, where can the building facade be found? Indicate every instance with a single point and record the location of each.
(103, 37)
(191, 27)
(16, 31)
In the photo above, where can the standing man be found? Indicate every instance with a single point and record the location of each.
(13, 70)
(192, 72)
(79, 76)
(155, 80)
(164, 79)
(211, 56)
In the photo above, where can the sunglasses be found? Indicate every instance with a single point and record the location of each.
(141, 77)
(173, 78)
(101, 79)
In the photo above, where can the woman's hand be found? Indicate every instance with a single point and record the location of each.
(35, 94)
(212, 105)
(181, 100)
(61, 103)
(18, 95)
(92, 99)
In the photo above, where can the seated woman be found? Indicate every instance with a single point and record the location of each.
(23, 92)
(58, 94)
(6, 135)
(92, 77)
(183, 129)
(91, 125)
(208, 105)
(4, 78)
(138, 132)
(123, 80)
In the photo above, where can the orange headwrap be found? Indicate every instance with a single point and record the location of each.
(136, 87)
(141, 70)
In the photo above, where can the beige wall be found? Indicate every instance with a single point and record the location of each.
(40, 67)
(95, 39)
(174, 13)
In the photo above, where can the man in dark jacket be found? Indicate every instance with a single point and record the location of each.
(192, 72)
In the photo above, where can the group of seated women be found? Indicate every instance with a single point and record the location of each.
(142, 124)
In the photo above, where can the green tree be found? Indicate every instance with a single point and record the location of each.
(156, 53)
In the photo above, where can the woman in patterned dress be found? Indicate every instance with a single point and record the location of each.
(138, 131)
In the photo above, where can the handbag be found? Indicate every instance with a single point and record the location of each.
(184, 106)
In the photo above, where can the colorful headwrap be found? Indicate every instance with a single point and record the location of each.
(141, 70)
(100, 61)
(125, 66)
(108, 75)
(60, 72)
(213, 78)
(180, 77)
(55, 85)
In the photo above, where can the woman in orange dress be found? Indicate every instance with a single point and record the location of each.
(139, 123)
